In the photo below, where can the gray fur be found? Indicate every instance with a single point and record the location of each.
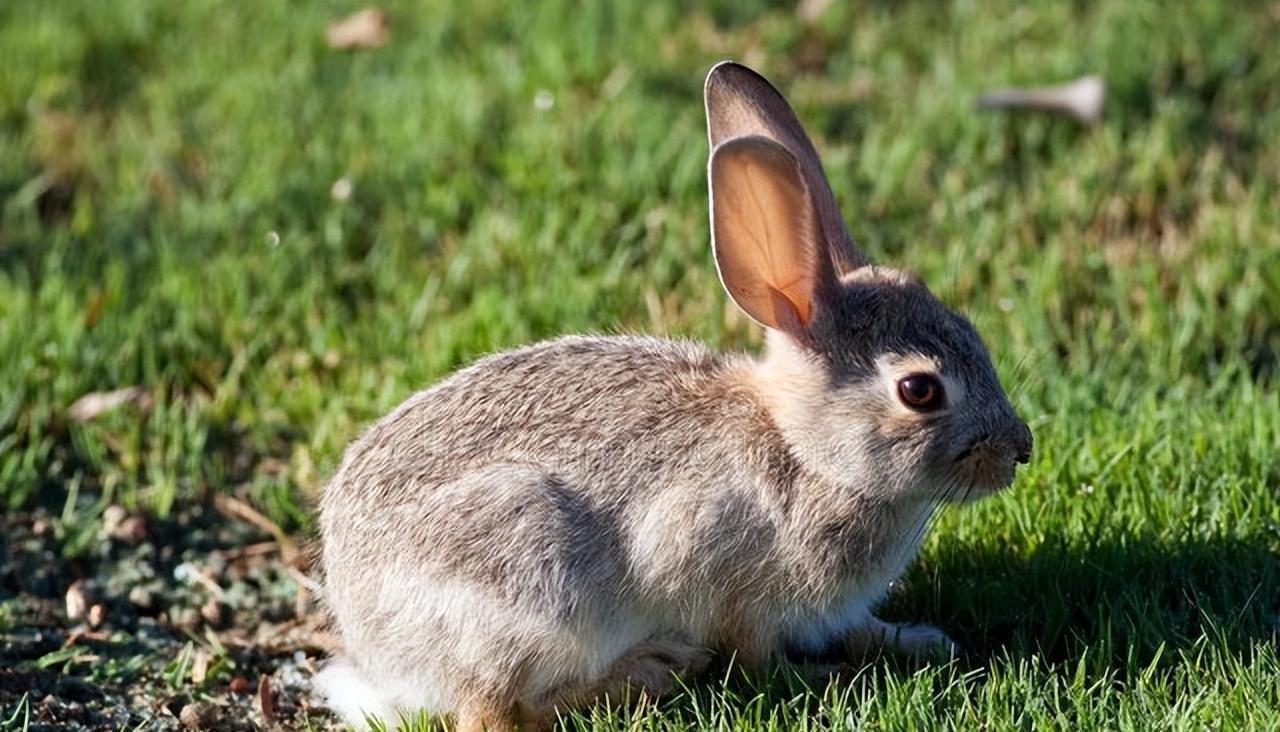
(605, 506)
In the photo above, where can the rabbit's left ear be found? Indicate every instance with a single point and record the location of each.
(741, 103)
(763, 233)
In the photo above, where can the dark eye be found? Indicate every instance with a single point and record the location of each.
(921, 392)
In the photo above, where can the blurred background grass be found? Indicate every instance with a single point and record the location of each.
(167, 173)
(279, 241)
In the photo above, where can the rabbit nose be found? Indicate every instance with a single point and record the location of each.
(1022, 443)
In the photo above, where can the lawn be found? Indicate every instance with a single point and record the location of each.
(273, 243)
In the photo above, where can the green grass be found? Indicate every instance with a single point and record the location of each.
(166, 172)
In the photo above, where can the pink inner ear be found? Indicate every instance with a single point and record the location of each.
(787, 314)
(764, 234)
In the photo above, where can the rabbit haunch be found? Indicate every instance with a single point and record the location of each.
(591, 516)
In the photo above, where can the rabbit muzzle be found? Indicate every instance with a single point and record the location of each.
(989, 463)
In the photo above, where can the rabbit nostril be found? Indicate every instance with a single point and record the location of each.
(1023, 457)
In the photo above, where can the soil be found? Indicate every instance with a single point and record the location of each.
(200, 621)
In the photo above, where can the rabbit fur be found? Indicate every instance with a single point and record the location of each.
(593, 516)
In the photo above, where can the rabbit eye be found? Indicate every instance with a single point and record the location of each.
(921, 392)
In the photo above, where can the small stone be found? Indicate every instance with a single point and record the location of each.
(198, 715)
(213, 613)
(79, 597)
(97, 615)
(132, 530)
(112, 517)
(141, 598)
(119, 524)
(238, 685)
(189, 618)
(184, 572)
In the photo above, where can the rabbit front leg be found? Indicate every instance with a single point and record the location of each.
(870, 636)
(648, 670)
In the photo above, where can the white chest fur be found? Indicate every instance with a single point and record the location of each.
(815, 629)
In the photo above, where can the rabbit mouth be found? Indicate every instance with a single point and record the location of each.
(978, 488)
(984, 471)
(995, 479)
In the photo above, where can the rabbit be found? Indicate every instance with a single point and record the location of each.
(593, 517)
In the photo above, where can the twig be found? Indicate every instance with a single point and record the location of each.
(236, 508)
(262, 548)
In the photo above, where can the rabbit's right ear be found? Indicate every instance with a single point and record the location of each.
(764, 234)
(741, 102)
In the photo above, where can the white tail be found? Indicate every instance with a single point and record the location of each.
(354, 699)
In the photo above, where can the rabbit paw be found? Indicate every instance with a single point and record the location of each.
(915, 641)
(647, 671)
(654, 665)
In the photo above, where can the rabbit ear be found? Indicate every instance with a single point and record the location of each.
(763, 233)
(741, 102)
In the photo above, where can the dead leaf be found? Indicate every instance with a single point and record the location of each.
(95, 403)
(810, 10)
(267, 700)
(1082, 99)
(341, 188)
(200, 666)
(93, 308)
(57, 146)
(363, 29)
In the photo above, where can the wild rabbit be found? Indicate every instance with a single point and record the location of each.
(592, 516)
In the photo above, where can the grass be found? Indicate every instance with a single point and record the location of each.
(167, 177)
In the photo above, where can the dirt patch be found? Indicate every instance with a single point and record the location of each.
(177, 624)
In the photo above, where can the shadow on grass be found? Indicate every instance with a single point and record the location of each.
(1121, 599)
(1119, 606)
